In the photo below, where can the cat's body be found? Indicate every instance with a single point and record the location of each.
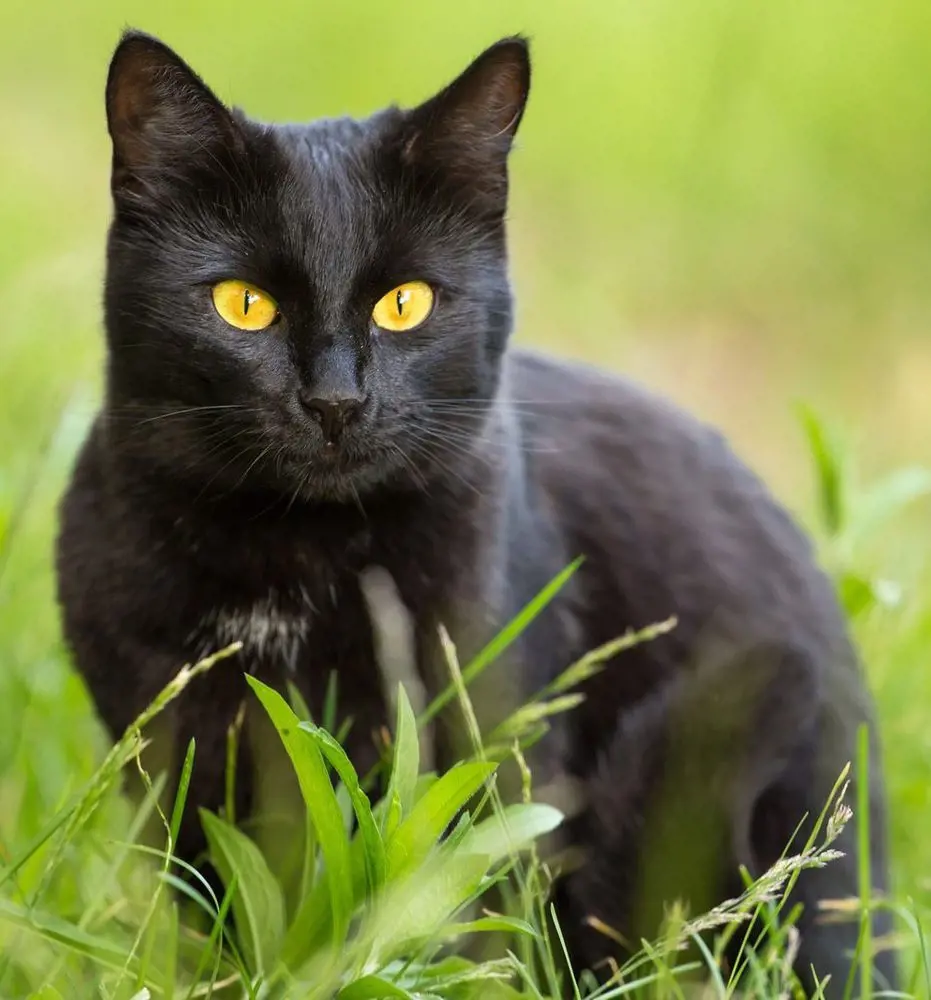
(206, 508)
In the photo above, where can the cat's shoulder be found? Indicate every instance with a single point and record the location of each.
(565, 378)
(603, 445)
(558, 395)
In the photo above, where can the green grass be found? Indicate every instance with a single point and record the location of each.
(387, 892)
(730, 200)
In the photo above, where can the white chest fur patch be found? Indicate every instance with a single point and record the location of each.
(264, 630)
(277, 637)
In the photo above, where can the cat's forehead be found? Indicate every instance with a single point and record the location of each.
(332, 199)
(336, 173)
(323, 142)
(330, 148)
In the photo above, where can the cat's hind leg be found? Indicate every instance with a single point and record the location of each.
(694, 777)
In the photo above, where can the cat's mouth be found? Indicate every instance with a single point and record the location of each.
(332, 458)
(343, 470)
(335, 457)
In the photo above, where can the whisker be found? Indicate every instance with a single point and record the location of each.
(417, 475)
(450, 433)
(487, 402)
(357, 499)
(258, 458)
(301, 483)
(216, 474)
(195, 409)
(422, 449)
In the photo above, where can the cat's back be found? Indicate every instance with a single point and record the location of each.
(669, 520)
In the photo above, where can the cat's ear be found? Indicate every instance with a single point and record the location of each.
(160, 114)
(467, 130)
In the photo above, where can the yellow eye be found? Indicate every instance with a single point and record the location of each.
(404, 307)
(244, 306)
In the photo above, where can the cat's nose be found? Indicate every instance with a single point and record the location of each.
(333, 413)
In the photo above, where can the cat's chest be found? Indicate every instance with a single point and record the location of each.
(273, 631)
(307, 600)
(282, 627)
(280, 588)
(356, 625)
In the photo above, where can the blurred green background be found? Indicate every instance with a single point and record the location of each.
(729, 200)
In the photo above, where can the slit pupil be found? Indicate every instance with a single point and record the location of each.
(400, 303)
(247, 299)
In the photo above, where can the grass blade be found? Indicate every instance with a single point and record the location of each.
(863, 863)
(828, 470)
(323, 808)
(416, 836)
(213, 944)
(373, 848)
(515, 827)
(184, 782)
(233, 734)
(60, 931)
(372, 988)
(258, 905)
(23, 857)
(328, 718)
(406, 762)
(502, 640)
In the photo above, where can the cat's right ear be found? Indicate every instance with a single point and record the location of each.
(159, 115)
(466, 131)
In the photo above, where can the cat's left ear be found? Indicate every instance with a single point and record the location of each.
(467, 130)
(161, 116)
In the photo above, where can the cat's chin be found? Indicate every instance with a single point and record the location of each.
(338, 477)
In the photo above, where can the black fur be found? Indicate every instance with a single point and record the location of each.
(206, 494)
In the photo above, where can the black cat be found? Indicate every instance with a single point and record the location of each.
(308, 378)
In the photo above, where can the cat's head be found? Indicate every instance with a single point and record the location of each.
(319, 310)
